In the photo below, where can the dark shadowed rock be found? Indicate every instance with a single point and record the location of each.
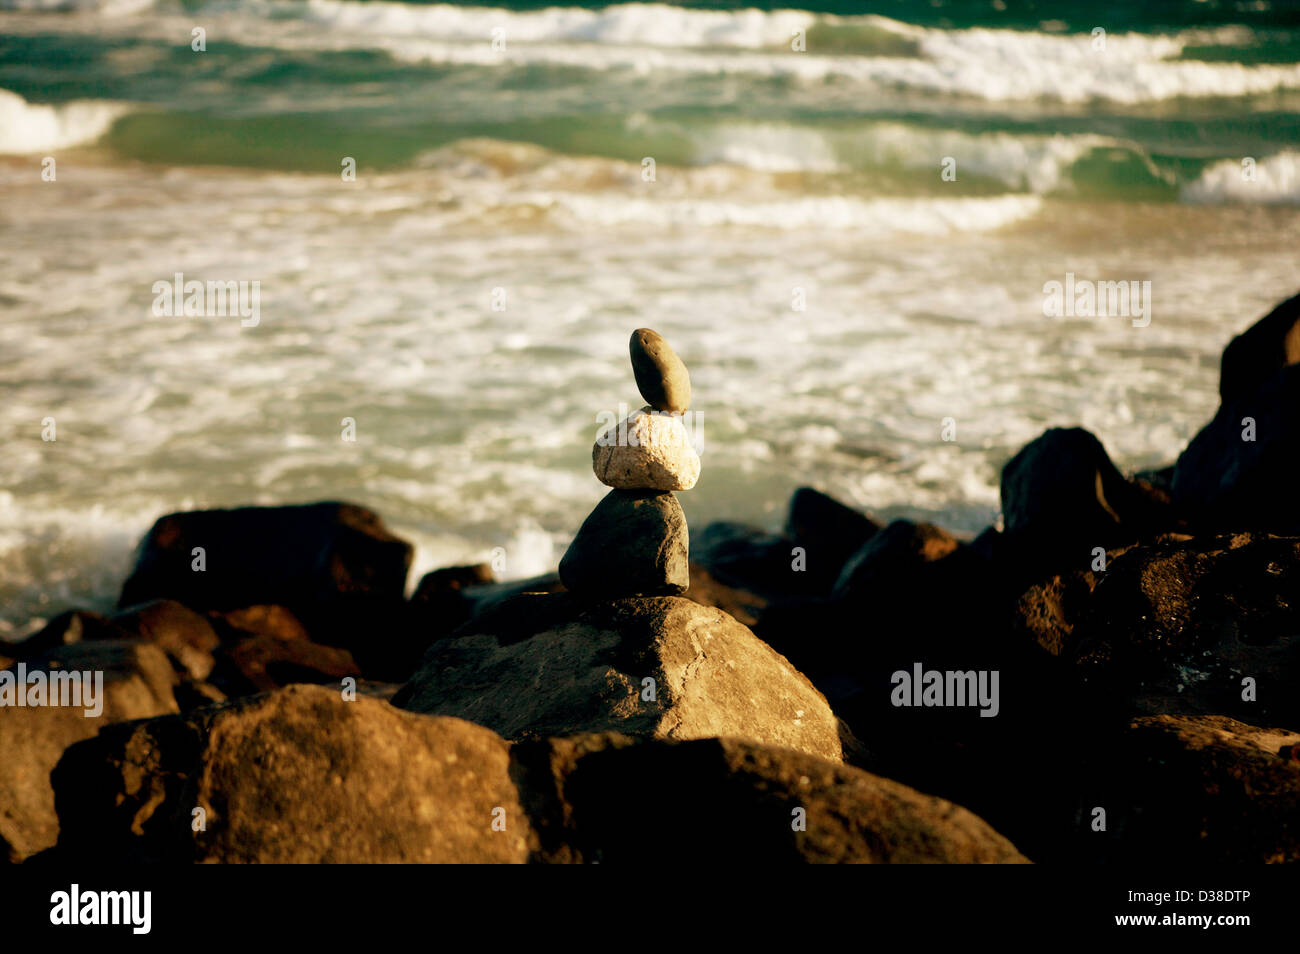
(706, 590)
(1226, 482)
(551, 665)
(439, 603)
(1196, 790)
(912, 592)
(138, 682)
(612, 799)
(188, 638)
(747, 557)
(1062, 497)
(72, 626)
(829, 531)
(1259, 352)
(261, 662)
(893, 556)
(295, 776)
(1174, 626)
(335, 565)
(634, 543)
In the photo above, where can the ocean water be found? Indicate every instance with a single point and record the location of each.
(466, 301)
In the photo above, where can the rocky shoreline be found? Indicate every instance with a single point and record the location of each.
(271, 695)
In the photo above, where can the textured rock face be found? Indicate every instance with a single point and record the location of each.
(1176, 625)
(295, 776)
(544, 665)
(730, 800)
(1199, 790)
(298, 775)
(137, 683)
(634, 543)
(648, 451)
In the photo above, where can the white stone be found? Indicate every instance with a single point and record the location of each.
(647, 451)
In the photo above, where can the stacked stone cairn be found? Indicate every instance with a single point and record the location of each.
(635, 543)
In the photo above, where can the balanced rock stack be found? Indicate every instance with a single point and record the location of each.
(635, 543)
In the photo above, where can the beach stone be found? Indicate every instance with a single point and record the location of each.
(298, 775)
(661, 376)
(657, 454)
(634, 543)
(138, 683)
(549, 664)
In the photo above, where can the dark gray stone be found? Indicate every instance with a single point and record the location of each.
(635, 543)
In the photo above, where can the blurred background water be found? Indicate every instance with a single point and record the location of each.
(778, 173)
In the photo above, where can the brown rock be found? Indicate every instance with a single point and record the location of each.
(1175, 625)
(1199, 790)
(137, 683)
(661, 376)
(296, 776)
(716, 800)
(334, 565)
(548, 665)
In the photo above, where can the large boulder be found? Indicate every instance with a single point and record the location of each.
(300, 775)
(618, 800)
(661, 667)
(138, 682)
(634, 543)
(1204, 790)
(748, 557)
(1242, 471)
(295, 776)
(804, 559)
(1177, 625)
(1259, 352)
(188, 638)
(909, 578)
(335, 565)
(1062, 498)
(829, 532)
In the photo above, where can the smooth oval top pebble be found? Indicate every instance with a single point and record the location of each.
(661, 377)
